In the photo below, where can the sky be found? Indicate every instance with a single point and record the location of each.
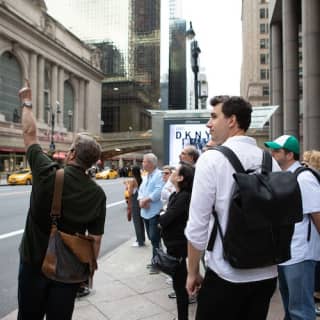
(217, 24)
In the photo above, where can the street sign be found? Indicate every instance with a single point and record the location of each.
(261, 115)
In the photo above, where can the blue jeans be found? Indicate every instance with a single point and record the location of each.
(153, 232)
(296, 284)
(39, 296)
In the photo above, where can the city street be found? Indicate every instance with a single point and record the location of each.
(14, 202)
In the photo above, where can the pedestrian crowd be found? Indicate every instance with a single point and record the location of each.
(187, 212)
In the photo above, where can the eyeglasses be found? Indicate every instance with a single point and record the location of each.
(165, 173)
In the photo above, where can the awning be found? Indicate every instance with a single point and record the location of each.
(261, 115)
(59, 155)
(12, 149)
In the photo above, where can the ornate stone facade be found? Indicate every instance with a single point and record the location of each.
(63, 74)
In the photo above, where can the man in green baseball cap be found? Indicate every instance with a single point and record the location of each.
(296, 276)
(285, 149)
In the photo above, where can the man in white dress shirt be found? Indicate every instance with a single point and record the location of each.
(225, 292)
(297, 275)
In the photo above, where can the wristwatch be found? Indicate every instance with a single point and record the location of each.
(27, 104)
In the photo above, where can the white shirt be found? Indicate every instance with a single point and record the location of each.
(166, 191)
(213, 184)
(301, 248)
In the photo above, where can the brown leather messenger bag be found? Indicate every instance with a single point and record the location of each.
(69, 258)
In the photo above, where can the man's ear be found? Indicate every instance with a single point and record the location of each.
(232, 121)
(72, 155)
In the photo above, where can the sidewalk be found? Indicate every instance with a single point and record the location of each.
(123, 289)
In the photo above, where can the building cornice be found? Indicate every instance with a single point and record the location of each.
(33, 39)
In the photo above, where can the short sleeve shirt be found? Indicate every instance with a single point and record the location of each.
(83, 205)
(303, 249)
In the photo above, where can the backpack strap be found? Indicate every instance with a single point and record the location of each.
(266, 162)
(313, 171)
(216, 228)
(238, 167)
(317, 176)
(231, 156)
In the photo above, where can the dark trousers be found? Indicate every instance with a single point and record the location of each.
(153, 232)
(39, 296)
(138, 226)
(179, 286)
(221, 299)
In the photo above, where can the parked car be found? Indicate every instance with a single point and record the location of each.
(23, 176)
(107, 174)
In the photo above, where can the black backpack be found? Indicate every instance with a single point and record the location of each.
(316, 173)
(263, 210)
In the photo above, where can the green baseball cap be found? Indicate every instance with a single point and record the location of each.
(287, 142)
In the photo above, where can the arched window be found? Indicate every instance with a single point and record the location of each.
(10, 83)
(68, 108)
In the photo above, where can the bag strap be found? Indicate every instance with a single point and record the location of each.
(238, 167)
(216, 228)
(317, 176)
(232, 157)
(266, 162)
(57, 194)
(313, 171)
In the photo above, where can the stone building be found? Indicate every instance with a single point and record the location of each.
(295, 69)
(255, 57)
(64, 74)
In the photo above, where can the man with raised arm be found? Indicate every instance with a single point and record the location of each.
(83, 211)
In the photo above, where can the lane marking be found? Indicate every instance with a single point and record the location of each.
(115, 204)
(11, 234)
(15, 193)
(17, 232)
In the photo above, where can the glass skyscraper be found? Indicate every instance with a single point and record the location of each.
(127, 32)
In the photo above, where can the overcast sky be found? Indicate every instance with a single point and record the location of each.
(217, 24)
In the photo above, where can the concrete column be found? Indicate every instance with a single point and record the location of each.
(276, 79)
(86, 105)
(290, 66)
(33, 74)
(61, 95)
(81, 104)
(40, 92)
(54, 87)
(76, 106)
(311, 73)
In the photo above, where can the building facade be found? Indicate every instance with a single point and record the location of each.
(254, 84)
(295, 69)
(64, 76)
(128, 34)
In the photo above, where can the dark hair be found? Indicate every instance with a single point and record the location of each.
(136, 172)
(296, 156)
(187, 172)
(237, 106)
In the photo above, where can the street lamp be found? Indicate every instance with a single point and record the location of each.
(195, 50)
(70, 115)
(52, 116)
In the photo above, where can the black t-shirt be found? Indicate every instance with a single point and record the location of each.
(83, 205)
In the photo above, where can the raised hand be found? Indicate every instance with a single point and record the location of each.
(25, 93)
